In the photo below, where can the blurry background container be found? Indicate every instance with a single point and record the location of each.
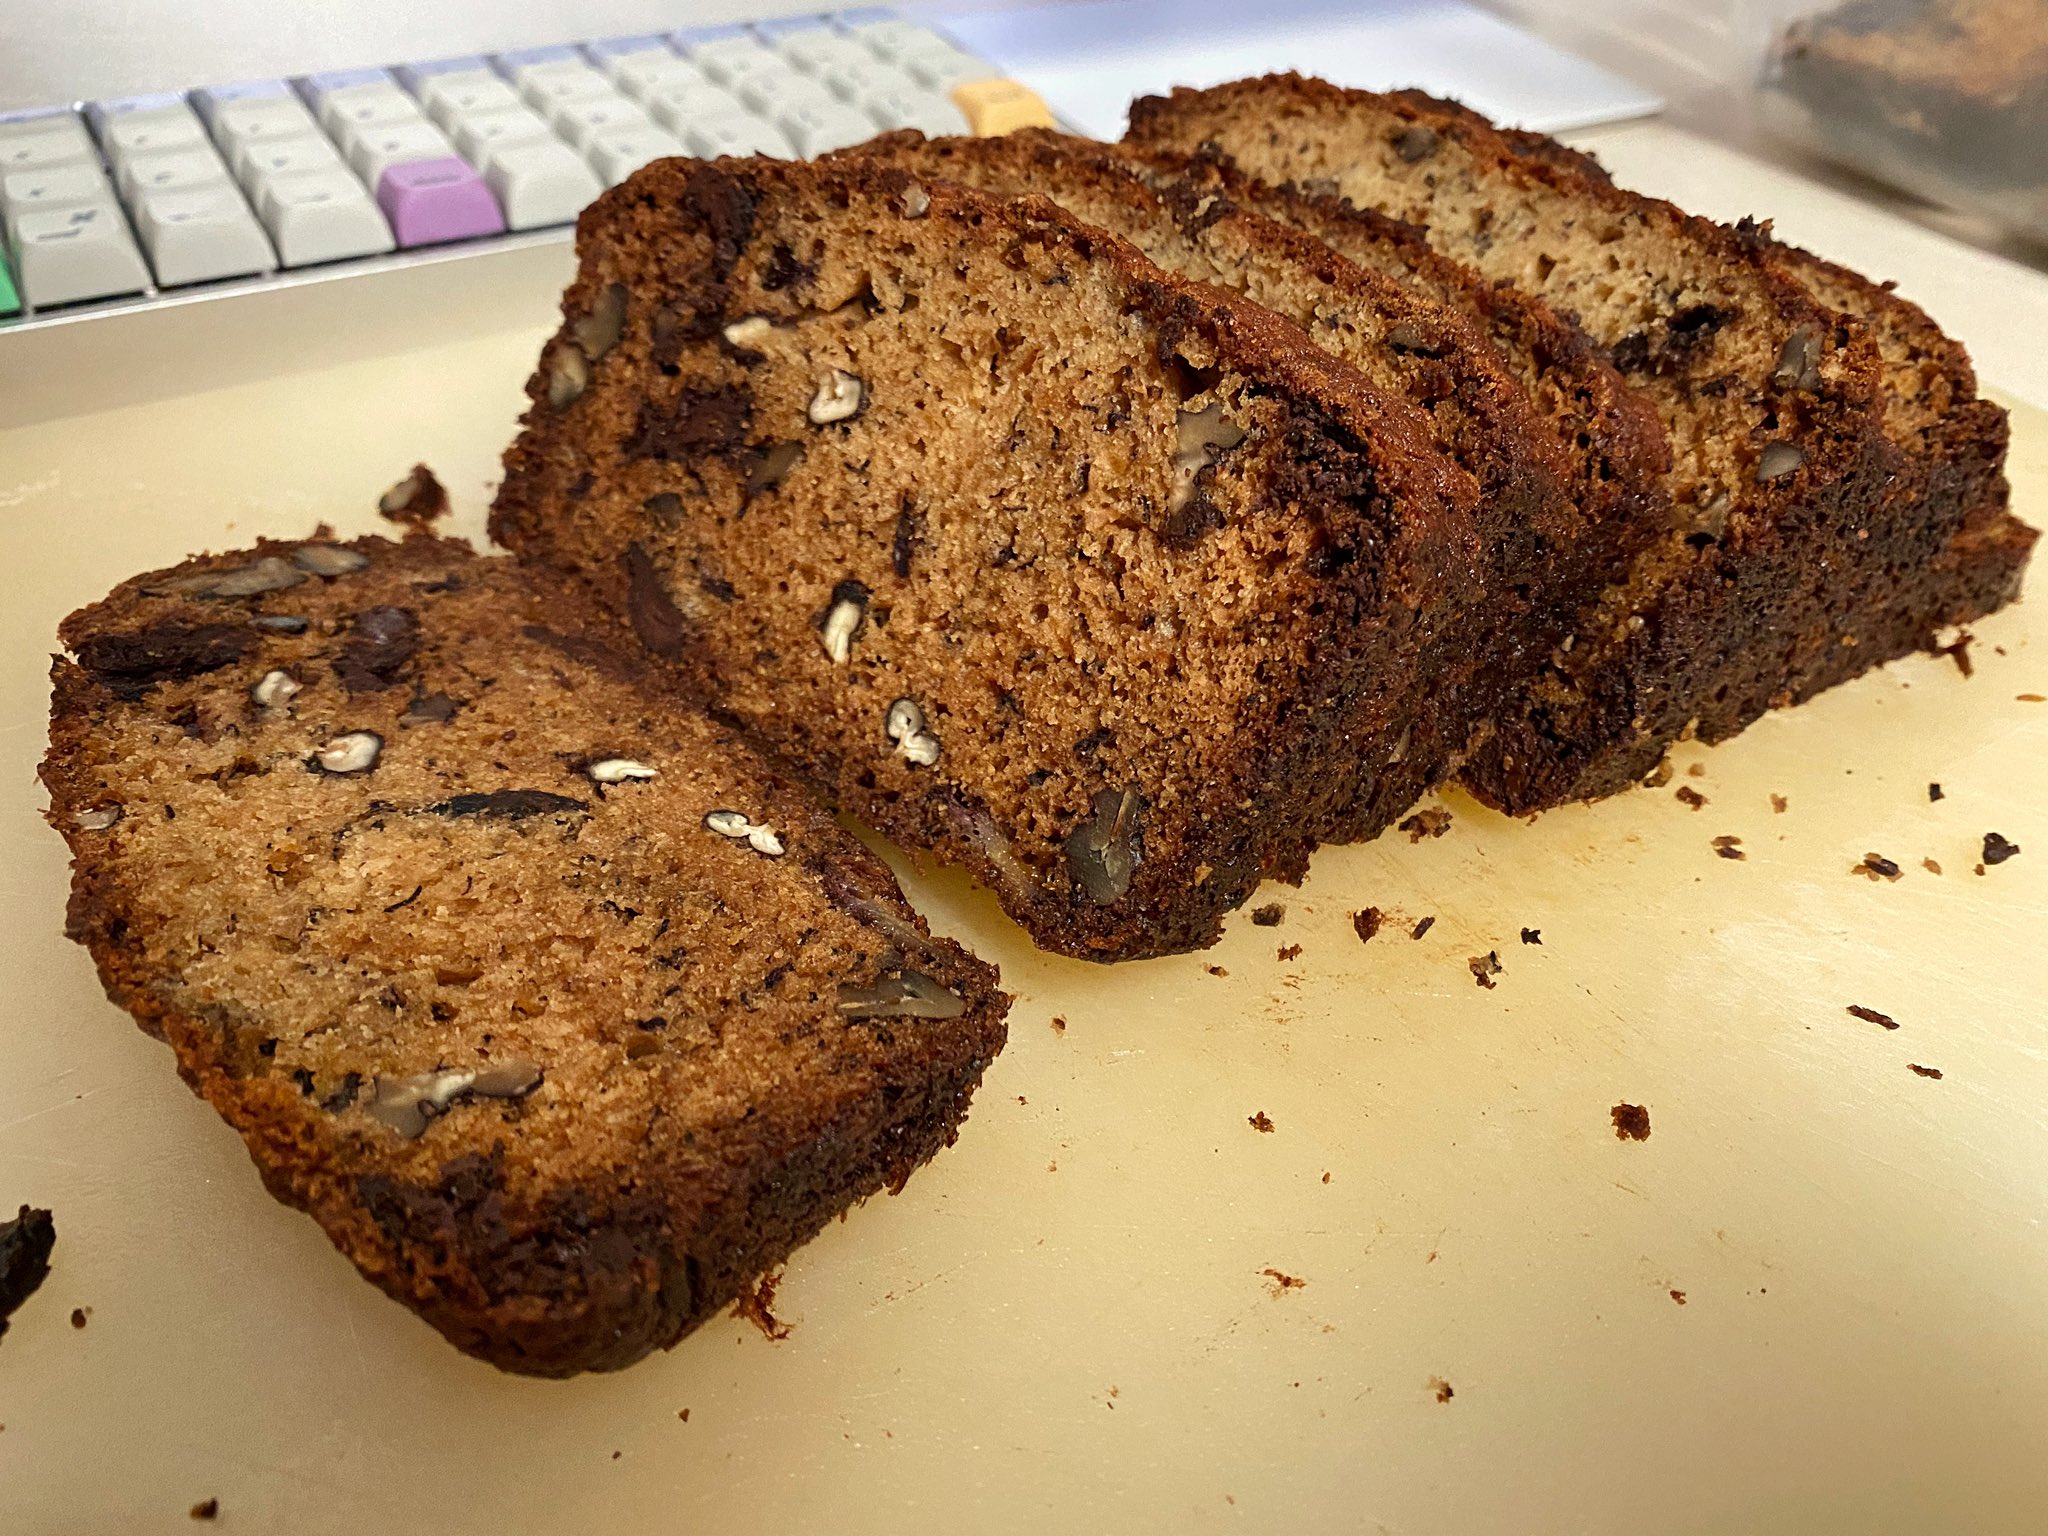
(1943, 100)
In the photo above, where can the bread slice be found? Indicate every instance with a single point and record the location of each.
(1544, 556)
(1109, 586)
(1793, 562)
(561, 1013)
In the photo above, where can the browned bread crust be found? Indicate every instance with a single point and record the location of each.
(1795, 560)
(552, 1062)
(1166, 593)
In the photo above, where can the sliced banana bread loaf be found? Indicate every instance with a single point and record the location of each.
(1110, 586)
(560, 1013)
(1545, 556)
(1792, 563)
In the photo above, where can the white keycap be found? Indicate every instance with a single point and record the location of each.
(931, 114)
(55, 186)
(465, 93)
(147, 133)
(678, 108)
(365, 105)
(544, 87)
(617, 153)
(815, 48)
(729, 60)
(202, 235)
(61, 142)
(741, 134)
(540, 184)
(256, 162)
(945, 70)
(316, 216)
(268, 117)
(478, 138)
(175, 170)
(373, 151)
(892, 39)
(641, 75)
(851, 79)
(580, 121)
(818, 129)
(63, 255)
(772, 94)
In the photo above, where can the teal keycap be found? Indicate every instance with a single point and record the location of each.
(10, 302)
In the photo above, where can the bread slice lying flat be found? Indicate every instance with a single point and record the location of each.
(560, 1012)
(1110, 586)
(1836, 490)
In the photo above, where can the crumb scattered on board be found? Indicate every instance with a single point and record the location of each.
(417, 501)
(757, 1305)
(1660, 775)
(1678, 1296)
(1441, 1388)
(1631, 1122)
(1289, 951)
(1367, 923)
(1430, 821)
(1997, 850)
(1269, 916)
(1729, 847)
(206, 1509)
(1696, 770)
(1958, 651)
(1485, 967)
(25, 1247)
(683, 1414)
(1933, 792)
(1260, 1122)
(1216, 970)
(1872, 1016)
(2032, 698)
(1914, 1066)
(1532, 935)
(1875, 867)
(1687, 795)
(1059, 1025)
(1779, 805)
(1282, 1282)
(1930, 866)
(80, 1316)
(1421, 928)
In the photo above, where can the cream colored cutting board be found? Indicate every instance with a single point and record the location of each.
(1071, 1321)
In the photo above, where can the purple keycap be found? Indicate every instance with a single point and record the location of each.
(432, 201)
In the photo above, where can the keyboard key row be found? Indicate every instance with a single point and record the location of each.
(244, 177)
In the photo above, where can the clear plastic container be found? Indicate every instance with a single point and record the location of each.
(1946, 99)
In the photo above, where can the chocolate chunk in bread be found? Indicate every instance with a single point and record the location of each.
(1796, 558)
(434, 896)
(1112, 587)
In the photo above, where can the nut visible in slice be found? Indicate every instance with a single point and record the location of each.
(270, 574)
(843, 620)
(406, 1104)
(742, 829)
(750, 332)
(599, 331)
(617, 770)
(905, 726)
(1106, 850)
(1779, 460)
(274, 688)
(568, 376)
(838, 398)
(96, 818)
(905, 994)
(353, 752)
(329, 559)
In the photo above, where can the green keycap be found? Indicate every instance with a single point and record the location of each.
(10, 303)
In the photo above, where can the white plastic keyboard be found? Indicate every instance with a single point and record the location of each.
(108, 204)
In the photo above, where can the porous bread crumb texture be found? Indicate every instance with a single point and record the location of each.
(1544, 555)
(1795, 558)
(1113, 588)
(553, 1062)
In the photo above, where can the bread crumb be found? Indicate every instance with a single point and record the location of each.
(1216, 970)
(683, 1414)
(1685, 794)
(1422, 927)
(1779, 805)
(1729, 847)
(1059, 1025)
(1872, 1016)
(1631, 1122)
(2032, 698)
(1997, 850)
(1260, 1122)
(1678, 1296)
(757, 1306)
(1875, 867)
(1660, 775)
(1367, 923)
(1326, 1176)
(1431, 821)
(1270, 915)
(1289, 951)
(1930, 866)
(206, 1509)
(1532, 935)
(1283, 1283)
(1441, 1388)
(1914, 1066)
(1696, 770)
(1934, 792)
(1484, 968)
(79, 1316)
